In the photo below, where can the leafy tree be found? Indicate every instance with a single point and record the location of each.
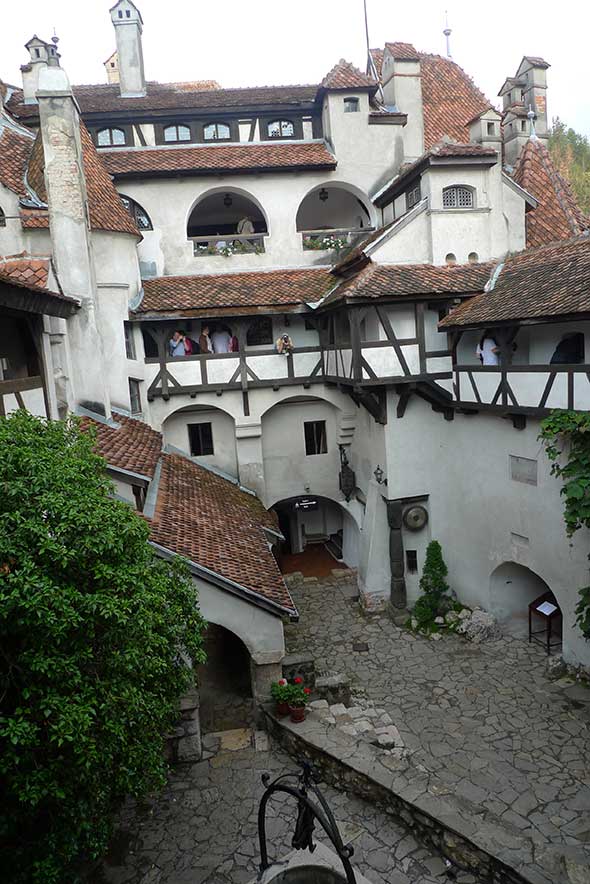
(567, 434)
(570, 152)
(94, 630)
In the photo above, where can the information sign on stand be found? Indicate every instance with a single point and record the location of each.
(546, 609)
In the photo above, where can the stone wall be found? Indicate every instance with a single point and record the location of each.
(183, 744)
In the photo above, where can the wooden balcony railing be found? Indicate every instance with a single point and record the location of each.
(527, 389)
(333, 239)
(228, 245)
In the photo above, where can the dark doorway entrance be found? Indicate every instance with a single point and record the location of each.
(224, 682)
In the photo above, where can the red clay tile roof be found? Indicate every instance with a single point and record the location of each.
(14, 154)
(402, 50)
(25, 270)
(282, 157)
(20, 156)
(220, 527)
(106, 98)
(406, 280)
(450, 99)
(557, 216)
(547, 282)
(344, 75)
(133, 446)
(258, 289)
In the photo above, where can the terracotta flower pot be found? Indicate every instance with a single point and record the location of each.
(297, 713)
(282, 709)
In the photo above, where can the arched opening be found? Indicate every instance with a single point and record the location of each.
(205, 433)
(137, 212)
(331, 216)
(224, 682)
(512, 588)
(227, 222)
(320, 535)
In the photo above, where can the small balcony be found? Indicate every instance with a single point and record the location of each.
(333, 217)
(226, 246)
(332, 240)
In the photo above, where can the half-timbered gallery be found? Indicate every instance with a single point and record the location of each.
(331, 314)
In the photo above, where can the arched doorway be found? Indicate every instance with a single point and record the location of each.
(227, 221)
(224, 682)
(512, 588)
(319, 533)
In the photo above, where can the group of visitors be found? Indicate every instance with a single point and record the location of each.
(219, 340)
(569, 351)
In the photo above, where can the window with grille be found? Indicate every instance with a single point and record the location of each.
(351, 105)
(110, 137)
(139, 214)
(413, 196)
(315, 437)
(216, 132)
(134, 396)
(177, 133)
(458, 198)
(281, 129)
(200, 438)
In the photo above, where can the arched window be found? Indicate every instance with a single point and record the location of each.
(177, 133)
(139, 214)
(110, 137)
(458, 197)
(281, 129)
(2, 217)
(216, 132)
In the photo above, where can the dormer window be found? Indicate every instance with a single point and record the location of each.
(110, 137)
(177, 133)
(351, 105)
(216, 132)
(458, 197)
(137, 212)
(281, 129)
(413, 196)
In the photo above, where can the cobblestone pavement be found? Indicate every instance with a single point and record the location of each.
(202, 829)
(484, 719)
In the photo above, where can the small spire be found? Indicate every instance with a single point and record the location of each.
(55, 38)
(531, 116)
(447, 32)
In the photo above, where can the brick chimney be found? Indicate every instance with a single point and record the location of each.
(128, 24)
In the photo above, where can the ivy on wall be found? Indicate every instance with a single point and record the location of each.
(566, 435)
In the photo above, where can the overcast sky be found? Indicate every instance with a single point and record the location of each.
(263, 42)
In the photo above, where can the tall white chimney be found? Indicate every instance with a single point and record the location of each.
(128, 25)
(41, 53)
(69, 226)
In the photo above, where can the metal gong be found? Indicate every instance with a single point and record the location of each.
(415, 518)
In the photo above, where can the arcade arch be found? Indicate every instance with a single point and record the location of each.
(512, 588)
(333, 206)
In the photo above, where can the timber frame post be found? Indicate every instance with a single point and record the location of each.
(399, 597)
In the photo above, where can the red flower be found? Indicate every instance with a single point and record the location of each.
(306, 690)
(297, 680)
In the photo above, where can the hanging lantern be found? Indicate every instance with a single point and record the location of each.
(323, 194)
(227, 200)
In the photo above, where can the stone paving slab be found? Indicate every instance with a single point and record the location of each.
(484, 720)
(202, 829)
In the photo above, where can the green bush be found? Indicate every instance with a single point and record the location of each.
(434, 601)
(92, 626)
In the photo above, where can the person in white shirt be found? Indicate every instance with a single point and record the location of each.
(488, 350)
(221, 340)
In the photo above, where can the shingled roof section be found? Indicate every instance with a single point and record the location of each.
(165, 97)
(377, 281)
(558, 215)
(279, 157)
(221, 528)
(15, 150)
(549, 282)
(344, 75)
(450, 98)
(131, 445)
(215, 291)
(25, 270)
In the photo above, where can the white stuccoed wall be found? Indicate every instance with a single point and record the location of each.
(480, 515)
(175, 430)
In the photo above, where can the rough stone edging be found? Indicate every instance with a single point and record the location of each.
(447, 831)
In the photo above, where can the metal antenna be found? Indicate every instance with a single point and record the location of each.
(447, 32)
(371, 69)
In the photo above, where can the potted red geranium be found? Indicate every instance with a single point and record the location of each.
(281, 692)
(298, 699)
